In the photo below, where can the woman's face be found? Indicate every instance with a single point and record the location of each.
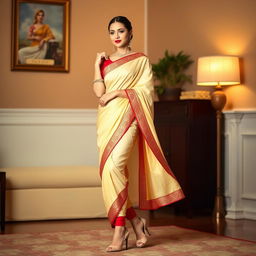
(40, 17)
(119, 35)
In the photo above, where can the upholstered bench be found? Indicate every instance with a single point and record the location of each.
(40, 193)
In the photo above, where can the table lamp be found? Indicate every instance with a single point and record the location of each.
(218, 71)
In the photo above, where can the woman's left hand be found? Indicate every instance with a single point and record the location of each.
(107, 97)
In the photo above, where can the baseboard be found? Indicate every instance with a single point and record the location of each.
(234, 214)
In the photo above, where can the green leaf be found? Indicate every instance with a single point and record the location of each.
(170, 70)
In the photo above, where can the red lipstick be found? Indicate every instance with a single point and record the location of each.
(117, 41)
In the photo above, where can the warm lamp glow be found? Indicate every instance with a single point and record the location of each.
(218, 71)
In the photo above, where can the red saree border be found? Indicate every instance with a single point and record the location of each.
(117, 135)
(147, 134)
(145, 131)
(142, 175)
(117, 205)
(152, 204)
(121, 61)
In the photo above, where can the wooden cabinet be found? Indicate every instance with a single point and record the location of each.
(187, 132)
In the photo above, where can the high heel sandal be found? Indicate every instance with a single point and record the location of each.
(114, 248)
(142, 242)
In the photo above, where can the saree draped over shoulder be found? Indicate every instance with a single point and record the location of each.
(129, 150)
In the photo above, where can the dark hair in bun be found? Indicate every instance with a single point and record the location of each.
(122, 20)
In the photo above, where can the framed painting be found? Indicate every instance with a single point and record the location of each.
(40, 35)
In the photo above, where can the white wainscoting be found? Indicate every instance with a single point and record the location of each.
(48, 137)
(240, 164)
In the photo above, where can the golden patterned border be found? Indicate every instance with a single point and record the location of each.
(142, 121)
(147, 134)
(117, 135)
(117, 205)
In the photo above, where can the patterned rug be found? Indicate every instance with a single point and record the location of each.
(167, 240)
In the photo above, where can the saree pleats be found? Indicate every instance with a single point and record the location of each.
(115, 175)
(133, 168)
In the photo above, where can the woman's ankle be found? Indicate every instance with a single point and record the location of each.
(135, 221)
(130, 213)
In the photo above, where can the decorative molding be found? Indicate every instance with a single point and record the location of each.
(235, 214)
(237, 115)
(239, 192)
(48, 137)
(240, 111)
(47, 116)
(226, 167)
(248, 196)
(244, 135)
(249, 214)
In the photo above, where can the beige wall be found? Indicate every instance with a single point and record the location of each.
(198, 27)
(89, 21)
(212, 27)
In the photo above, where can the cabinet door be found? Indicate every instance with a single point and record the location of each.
(178, 153)
(171, 127)
(186, 131)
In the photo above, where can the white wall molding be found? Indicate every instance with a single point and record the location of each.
(240, 162)
(47, 116)
(43, 137)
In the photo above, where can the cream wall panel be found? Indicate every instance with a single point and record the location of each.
(47, 137)
(248, 166)
(226, 165)
(240, 162)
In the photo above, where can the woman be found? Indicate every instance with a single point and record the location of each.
(39, 34)
(133, 169)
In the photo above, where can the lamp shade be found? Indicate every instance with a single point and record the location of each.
(218, 71)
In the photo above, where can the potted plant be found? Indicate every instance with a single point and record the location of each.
(170, 74)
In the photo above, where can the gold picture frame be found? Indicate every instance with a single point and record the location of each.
(40, 35)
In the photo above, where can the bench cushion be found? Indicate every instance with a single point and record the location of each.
(52, 177)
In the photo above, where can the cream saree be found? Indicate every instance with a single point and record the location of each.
(146, 181)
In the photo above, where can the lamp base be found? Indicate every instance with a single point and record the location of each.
(219, 209)
(218, 99)
(218, 102)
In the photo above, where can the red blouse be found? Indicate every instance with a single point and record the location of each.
(104, 64)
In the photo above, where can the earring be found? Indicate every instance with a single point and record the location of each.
(129, 45)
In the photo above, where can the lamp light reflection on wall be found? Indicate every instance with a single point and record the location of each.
(218, 71)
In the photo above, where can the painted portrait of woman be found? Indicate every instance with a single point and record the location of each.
(40, 34)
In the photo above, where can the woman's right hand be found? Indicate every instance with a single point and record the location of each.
(99, 58)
